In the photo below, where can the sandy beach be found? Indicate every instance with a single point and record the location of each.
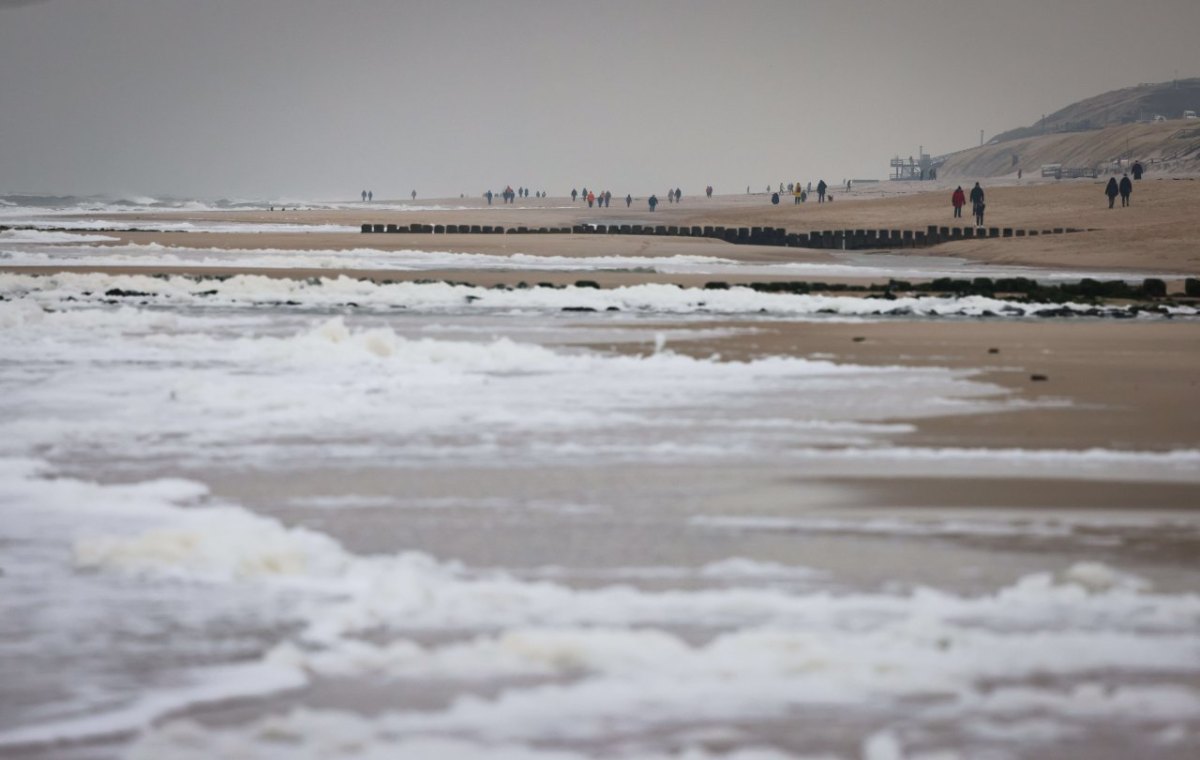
(1158, 233)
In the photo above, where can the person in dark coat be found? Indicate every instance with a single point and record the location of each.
(1111, 191)
(628, 200)
(653, 201)
(821, 187)
(1126, 188)
(958, 200)
(1137, 170)
(775, 198)
(977, 204)
(574, 195)
(976, 194)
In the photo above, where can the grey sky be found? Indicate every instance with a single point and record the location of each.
(308, 99)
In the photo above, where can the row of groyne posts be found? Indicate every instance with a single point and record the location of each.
(857, 239)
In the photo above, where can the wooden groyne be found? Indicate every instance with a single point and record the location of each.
(843, 240)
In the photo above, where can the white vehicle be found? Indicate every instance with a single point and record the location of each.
(1189, 114)
(1159, 117)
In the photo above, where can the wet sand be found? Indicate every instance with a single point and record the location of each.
(1131, 385)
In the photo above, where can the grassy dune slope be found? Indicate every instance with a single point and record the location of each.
(1170, 146)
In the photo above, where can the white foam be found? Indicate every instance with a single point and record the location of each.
(157, 255)
(605, 660)
(153, 378)
(441, 297)
(42, 237)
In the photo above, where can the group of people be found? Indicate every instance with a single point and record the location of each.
(1124, 188)
(673, 196)
(369, 195)
(508, 195)
(603, 199)
(959, 199)
(800, 192)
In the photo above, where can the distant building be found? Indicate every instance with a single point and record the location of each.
(915, 169)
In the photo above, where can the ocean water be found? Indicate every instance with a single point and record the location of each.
(48, 247)
(248, 517)
(28, 208)
(256, 518)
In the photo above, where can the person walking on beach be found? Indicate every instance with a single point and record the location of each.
(977, 204)
(653, 201)
(821, 188)
(1137, 170)
(958, 200)
(574, 195)
(414, 195)
(607, 198)
(678, 195)
(1126, 188)
(1111, 191)
(628, 200)
(370, 196)
(364, 196)
(591, 198)
(796, 192)
(708, 191)
(489, 197)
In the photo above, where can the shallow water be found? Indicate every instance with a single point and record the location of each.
(46, 246)
(264, 523)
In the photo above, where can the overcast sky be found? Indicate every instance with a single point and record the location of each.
(319, 99)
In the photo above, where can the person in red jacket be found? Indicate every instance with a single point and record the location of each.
(958, 200)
